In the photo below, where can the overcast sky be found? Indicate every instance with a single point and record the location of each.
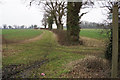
(16, 12)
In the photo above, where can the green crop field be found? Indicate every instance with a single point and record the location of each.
(20, 34)
(44, 55)
(94, 33)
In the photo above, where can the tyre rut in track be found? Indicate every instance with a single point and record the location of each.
(12, 71)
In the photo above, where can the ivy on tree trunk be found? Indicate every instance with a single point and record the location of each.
(73, 28)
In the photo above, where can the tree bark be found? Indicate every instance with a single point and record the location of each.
(50, 26)
(56, 21)
(73, 28)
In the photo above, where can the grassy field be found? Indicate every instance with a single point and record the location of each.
(19, 34)
(94, 33)
(44, 55)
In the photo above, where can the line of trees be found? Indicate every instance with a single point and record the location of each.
(55, 11)
(18, 27)
(93, 25)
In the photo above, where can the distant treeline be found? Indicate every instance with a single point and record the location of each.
(83, 25)
(18, 27)
(93, 25)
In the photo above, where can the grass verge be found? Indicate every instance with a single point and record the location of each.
(45, 48)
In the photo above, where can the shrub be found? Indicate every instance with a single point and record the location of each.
(108, 54)
(63, 38)
(92, 62)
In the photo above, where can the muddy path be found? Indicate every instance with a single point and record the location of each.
(11, 71)
(21, 70)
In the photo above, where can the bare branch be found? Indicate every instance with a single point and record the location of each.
(82, 15)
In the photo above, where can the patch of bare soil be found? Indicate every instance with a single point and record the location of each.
(89, 67)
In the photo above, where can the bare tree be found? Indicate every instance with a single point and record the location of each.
(108, 7)
(57, 9)
(44, 20)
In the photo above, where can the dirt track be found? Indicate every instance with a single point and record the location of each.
(33, 39)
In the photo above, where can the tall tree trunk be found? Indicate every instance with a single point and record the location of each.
(45, 26)
(60, 23)
(61, 26)
(56, 22)
(73, 28)
(50, 26)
